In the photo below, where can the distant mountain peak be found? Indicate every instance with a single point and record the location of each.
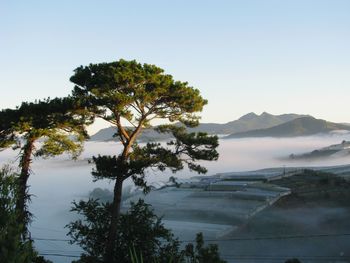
(265, 114)
(247, 122)
(252, 115)
(248, 116)
(303, 126)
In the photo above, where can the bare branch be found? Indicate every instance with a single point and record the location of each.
(140, 107)
(131, 123)
(136, 108)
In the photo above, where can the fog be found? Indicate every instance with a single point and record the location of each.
(55, 183)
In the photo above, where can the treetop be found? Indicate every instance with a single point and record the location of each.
(56, 119)
(135, 91)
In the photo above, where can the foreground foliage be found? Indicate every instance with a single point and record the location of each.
(139, 228)
(12, 248)
(201, 254)
(142, 237)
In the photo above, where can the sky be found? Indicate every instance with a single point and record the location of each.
(244, 56)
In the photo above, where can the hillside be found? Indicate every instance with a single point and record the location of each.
(336, 150)
(314, 217)
(303, 126)
(250, 121)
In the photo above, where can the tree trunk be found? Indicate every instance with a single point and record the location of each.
(22, 185)
(113, 230)
(118, 187)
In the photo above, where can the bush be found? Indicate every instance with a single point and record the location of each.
(13, 249)
(293, 260)
(202, 254)
(141, 236)
(139, 228)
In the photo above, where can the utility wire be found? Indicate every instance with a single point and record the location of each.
(59, 255)
(51, 239)
(234, 239)
(277, 237)
(242, 257)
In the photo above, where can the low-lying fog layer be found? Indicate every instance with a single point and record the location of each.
(55, 183)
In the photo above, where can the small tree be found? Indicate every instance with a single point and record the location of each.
(201, 253)
(293, 260)
(142, 237)
(140, 230)
(130, 95)
(59, 122)
(12, 248)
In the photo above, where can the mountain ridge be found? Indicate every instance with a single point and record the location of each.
(302, 126)
(247, 122)
(335, 150)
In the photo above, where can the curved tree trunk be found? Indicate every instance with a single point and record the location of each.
(21, 206)
(113, 230)
(118, 187)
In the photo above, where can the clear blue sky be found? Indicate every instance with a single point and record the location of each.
(275, 56)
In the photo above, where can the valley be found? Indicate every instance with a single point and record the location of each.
(219, 214)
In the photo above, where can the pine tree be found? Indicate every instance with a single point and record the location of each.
(58, 122)
(130, 95)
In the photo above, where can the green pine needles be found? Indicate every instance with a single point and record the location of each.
(130, 95)
(59, 123)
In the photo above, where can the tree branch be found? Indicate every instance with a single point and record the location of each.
(135, 108)
(124, 136)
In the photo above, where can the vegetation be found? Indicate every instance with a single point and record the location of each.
(202, 254)
(60, 122)
(324, 152)
(293, 260)
(313, 187)
(12, 248)
(141, 237)
(139, 228)
(129, 94)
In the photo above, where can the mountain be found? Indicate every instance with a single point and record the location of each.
(250, 121)
(298, 127)
(335, 150)
(107, 134)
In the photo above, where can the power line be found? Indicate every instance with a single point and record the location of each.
(48, 229)
(51, 239)
(288, 256)
(59, 255)
(60, 250)
(283, 259)
(241, 257)
(244, 257)
(276, 237)
(233, 239)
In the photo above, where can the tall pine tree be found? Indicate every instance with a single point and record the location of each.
(130, 95)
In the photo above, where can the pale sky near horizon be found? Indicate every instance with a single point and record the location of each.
(244, 56)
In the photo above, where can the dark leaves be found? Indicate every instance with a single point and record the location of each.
(135, 91)
(185, 149)
(60, 122)
(139, 228)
